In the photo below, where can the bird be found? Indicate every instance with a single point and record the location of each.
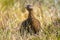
(31, 23)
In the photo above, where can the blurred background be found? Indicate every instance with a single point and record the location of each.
(13, 13)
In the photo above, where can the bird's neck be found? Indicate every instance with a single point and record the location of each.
(31, 14)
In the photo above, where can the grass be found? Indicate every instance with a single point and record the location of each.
(11, 17)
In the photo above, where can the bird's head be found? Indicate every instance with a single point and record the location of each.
(29, 7)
